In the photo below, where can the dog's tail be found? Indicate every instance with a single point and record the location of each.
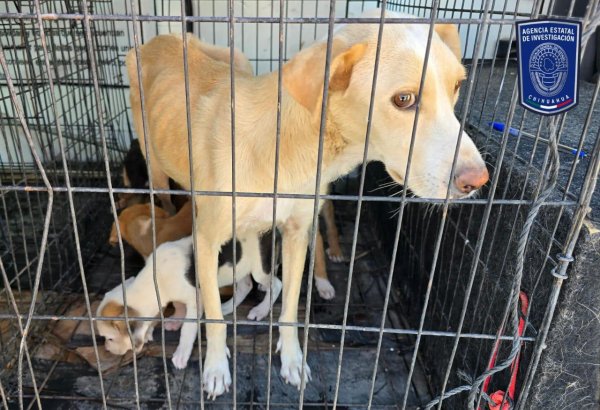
(131, 64)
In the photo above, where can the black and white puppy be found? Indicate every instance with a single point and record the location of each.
(175, 275)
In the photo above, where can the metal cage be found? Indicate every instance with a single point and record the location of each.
(430, 291)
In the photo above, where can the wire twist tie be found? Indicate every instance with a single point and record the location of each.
(558, 275)
(564, 258)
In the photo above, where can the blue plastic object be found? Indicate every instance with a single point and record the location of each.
(499, 126)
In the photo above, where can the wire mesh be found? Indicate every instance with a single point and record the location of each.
(422, 300)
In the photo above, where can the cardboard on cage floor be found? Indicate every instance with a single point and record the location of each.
(70, 340)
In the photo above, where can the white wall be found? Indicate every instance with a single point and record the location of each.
(258, 40)
(472, 9)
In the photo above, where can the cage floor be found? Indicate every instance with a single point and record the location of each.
(69, 385)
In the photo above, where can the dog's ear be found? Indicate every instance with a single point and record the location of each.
(113, 309)
(449, 35)
(303, 75)
(342, 66)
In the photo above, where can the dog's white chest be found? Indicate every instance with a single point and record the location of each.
(261, 213)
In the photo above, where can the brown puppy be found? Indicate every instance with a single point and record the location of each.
(136, 227)
(353, 56)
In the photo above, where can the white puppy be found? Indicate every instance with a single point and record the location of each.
(176, 283)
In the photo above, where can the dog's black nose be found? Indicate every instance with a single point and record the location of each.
(469, 179)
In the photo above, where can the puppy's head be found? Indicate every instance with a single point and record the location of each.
(135, 220)
(115, 332)
(397, 94)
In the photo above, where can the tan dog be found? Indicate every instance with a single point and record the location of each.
(354, 47)
(135, 175)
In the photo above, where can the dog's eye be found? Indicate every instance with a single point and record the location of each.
(404, 100)
(457, 85)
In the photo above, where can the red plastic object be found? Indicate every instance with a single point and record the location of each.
(498, 396)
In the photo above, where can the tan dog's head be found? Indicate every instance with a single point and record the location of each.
(399, 75)
(115, 332)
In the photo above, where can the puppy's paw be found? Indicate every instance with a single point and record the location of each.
(325, 288)
(173, 326)
(149, 337)
(335, 255)
(216, 378)
(260, 311)
(291, 365)
(181, 357)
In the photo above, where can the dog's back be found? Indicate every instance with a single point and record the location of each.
(163, 81)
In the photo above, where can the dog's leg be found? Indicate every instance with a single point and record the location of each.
(334, 251)
(324, 286)
(244, 286)
(261, 310)
(143, 334)
(149, 333)
(266, 283)
(216, 376)
(180, 312)
(187, 338)
(295, 243)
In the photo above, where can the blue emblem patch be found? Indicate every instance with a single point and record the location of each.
(548, 55)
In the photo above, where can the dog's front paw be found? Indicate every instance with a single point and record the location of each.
(216, 378)
(325, 288)
(335, 254)
(260, 311)
(181, 357)
(291, 365)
